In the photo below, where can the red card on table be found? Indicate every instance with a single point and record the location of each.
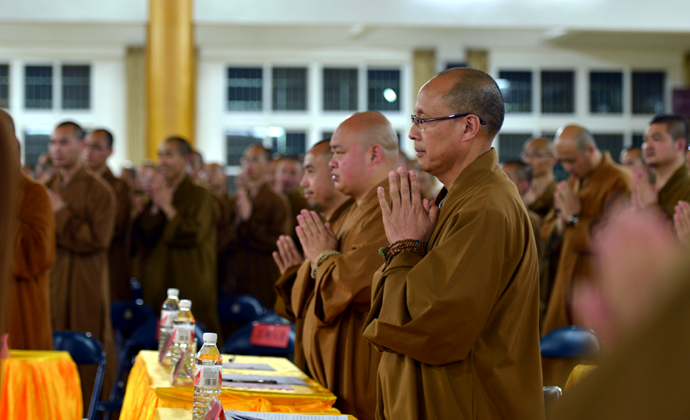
(4, 346)
(270, 335)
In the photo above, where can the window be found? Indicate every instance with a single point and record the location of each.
(245, 89)
(637, 139)
(558, 172)
(35, 144)
(557, 92)
(293, 143)
(613, 143)
(606, 92)
(340, 89)
(326, 135)
(38, 91)
(516, 87)
(236, 143)
(289, 89)
(648, 92)
(510, 145)
(76, 87)
(4, 86)
(455, 65)
(383, 90)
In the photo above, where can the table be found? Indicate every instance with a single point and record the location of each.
(40, 385)
(148, 388)
(184, 414)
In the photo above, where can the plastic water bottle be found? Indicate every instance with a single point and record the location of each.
(183, 339)
(171, 307)
(207, 376)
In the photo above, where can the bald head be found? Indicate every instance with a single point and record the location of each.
(365, 149)
(539, 145)
(578, 135)
(476, 92)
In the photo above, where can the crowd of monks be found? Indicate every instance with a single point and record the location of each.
(408, 302)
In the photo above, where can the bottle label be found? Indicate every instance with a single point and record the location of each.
(167, 318)
(207, 375)
(183, 333)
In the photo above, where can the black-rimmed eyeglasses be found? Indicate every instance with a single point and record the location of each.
(419, 121)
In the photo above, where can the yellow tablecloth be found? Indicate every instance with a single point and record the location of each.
(149, 388)
(40, 385)
(183, 414)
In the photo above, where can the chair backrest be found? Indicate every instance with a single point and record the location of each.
(126, 316)
(239, 308)
(238, 343)
(551, 396)
(570, 342)
(136, 289)
(84, 350)
(271, 317)
(144, 337)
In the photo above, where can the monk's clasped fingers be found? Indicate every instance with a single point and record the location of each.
(394, 187)
(415, 195)
(404, 187)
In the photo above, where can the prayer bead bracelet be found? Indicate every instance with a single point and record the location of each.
(403, 245)
(320, 259)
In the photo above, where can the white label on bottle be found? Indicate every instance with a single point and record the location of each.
(167, 318)
(183, 333)
(207, 375)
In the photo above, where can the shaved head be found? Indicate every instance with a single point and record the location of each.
(476, 92)
(577, 150)
(539, 144)
(370, 128)
(576, 134)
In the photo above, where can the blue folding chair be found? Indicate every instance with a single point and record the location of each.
(271, 317)
(239, 308)
(238, 343)
(126, 316)
(570, 342)
(136, 289)
(84, 350)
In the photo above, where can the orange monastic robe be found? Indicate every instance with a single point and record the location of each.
(119, 262)
(459, 327)
(34, 253)
(607, 185)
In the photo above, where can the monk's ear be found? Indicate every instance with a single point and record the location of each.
(472, 127)
(374, 154)
(681, 145)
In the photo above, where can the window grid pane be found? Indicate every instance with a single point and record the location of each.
(606, 92)
(292, 144)
(383, 88)
(245, 89)
(4, 86)
(38, 92)
(613, 143)
(34, 146)
(236, 145)
(289, 89)
(637, 140)
(517, 95)
(76, 87)
(557, 92)
(510, 145)
(340, 89)
(648, 92)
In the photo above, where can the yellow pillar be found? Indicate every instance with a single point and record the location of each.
(170, 72)
(424, 68)
(136, 105)
(478, 59)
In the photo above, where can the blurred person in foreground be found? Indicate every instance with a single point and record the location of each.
(34, 254)
(455, 305)
(98, 148)
(582, 206)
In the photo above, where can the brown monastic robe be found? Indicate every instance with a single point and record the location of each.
(79, 286)
(676, 188)
(255, 271)
(34, 253)
(459, 327)
(297, 204)
(183, 252)
(544, 283)
(607, 185)
(294, 295)
(336, 353)
(119, 261)
(9, 173)
(543, 205)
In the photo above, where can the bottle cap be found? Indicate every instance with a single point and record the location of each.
(185, 304)
(210, 337)
(173, 292)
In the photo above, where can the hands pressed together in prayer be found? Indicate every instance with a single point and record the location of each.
(243, 204)
(56, 201)
(567, 204)
(643, 192)
(287, 255)
(681, 221)
(315, 236)
(162, 197)
(407, 216)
